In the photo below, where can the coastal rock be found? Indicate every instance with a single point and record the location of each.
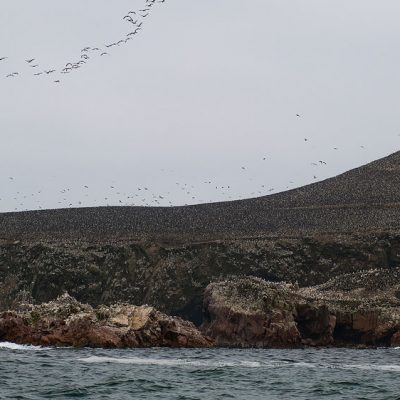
(172, 277)
(316, 324)
(351, 310)
(249, 312)
(66, 322)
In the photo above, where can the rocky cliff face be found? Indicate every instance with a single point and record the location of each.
(353, 309)
(66, 322)
(172, 277)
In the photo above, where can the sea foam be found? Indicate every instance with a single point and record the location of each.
(14, 346)
(168, 362)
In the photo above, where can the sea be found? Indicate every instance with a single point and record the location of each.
(30, 372)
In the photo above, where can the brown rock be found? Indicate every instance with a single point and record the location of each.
(395, 340)
(249, 313)
(365, 321)
(66, 322)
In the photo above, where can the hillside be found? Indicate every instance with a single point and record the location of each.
(362, 200)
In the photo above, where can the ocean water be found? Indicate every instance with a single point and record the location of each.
(28, 372)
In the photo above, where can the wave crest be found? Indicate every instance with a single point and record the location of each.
(14, 346)
(168, 362)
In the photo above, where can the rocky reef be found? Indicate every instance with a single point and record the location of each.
(66, 322)
(359, 309)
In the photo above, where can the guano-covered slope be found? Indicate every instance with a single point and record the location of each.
(365, 199)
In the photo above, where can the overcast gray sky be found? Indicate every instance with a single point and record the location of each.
(206, 88)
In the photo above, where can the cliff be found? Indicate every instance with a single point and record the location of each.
(166, 257)
(172, 278)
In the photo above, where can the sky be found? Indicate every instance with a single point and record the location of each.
(212, 100)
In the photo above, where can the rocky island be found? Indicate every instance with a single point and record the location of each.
(318, 265)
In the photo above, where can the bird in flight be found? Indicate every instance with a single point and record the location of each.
(133, 17)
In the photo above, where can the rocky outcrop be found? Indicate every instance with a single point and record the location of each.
(66, 322)
(350, 310)
(172, 277)
(249, 312)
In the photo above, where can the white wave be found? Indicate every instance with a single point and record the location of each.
(14, 346)
(371, 367)
(168, 362)
(221, 364)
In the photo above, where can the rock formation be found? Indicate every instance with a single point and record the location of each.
(172, 277)
(66, 322)
(166, 257)
(354, 309)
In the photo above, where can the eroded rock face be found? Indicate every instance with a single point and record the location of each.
(173, 276)
(346, 311)
(249, 312)
(66, 322)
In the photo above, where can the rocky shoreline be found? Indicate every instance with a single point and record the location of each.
(240, 312)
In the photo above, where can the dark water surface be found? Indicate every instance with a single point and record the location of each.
(36, 373)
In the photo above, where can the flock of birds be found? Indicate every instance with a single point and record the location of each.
(143, 195)
(135, 19)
